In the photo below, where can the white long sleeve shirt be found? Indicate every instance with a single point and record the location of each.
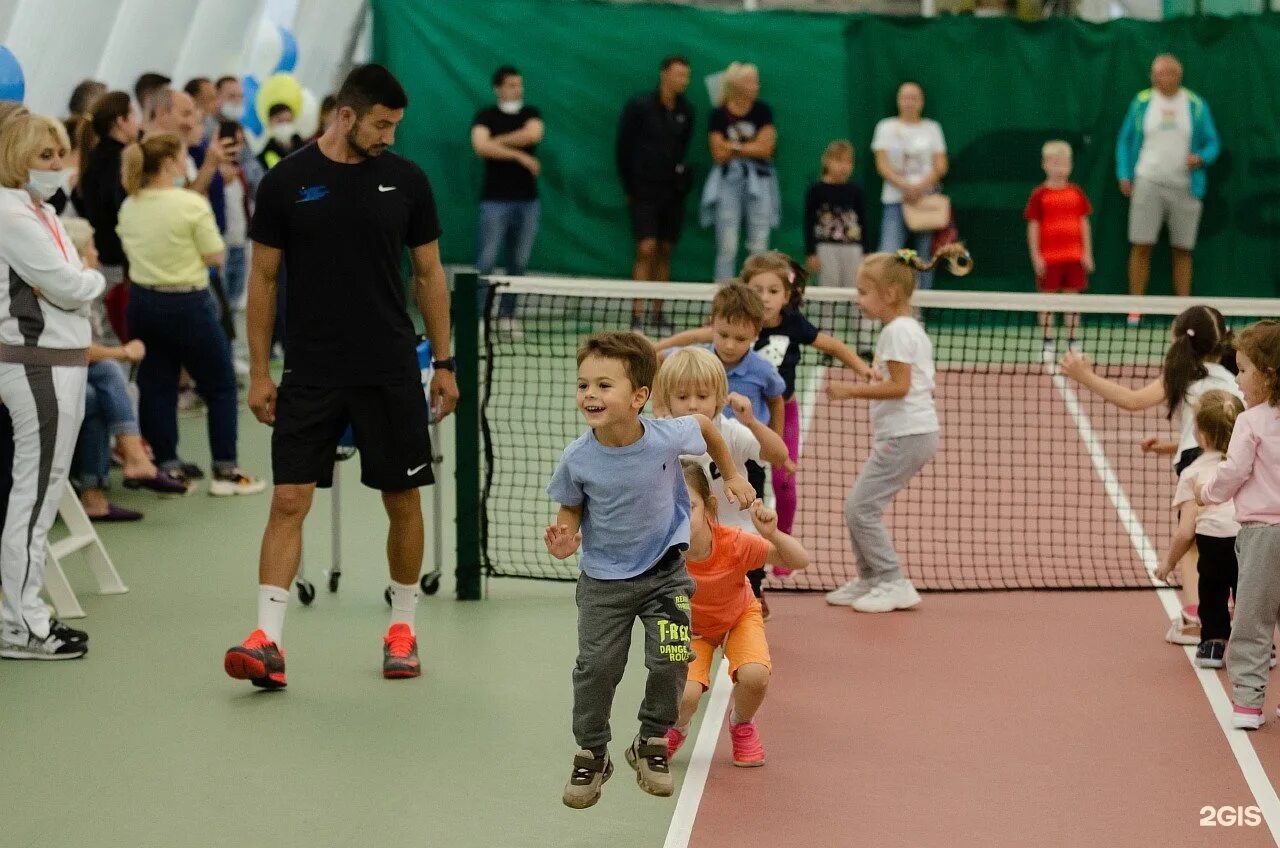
(37, 253)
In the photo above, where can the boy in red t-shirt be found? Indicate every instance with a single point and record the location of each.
(1058, 237)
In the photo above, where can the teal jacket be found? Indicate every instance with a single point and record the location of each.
(1204, 139)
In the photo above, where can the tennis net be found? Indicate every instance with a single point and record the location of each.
(1037, 484)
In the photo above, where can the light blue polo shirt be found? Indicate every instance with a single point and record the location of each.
(756, 379)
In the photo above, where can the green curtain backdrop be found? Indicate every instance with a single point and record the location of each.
(1000, 88)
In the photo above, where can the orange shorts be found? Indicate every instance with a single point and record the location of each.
(743, 644)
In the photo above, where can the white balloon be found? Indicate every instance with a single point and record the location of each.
(268, 47)
(309, 118)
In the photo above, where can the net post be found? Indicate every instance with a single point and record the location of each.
(466, 319)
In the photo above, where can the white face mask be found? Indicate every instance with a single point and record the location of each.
(510, 107)
(233, 111)
(284, 133)
(45, 184)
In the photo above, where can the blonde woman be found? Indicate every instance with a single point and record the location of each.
(44, 358)
(171, 240)
(744, 186)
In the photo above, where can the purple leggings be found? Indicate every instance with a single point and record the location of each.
(784, 483)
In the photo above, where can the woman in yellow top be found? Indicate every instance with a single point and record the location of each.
(171, 240)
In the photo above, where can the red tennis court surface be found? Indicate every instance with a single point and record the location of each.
(982, 719)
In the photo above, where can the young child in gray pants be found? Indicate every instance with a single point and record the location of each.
(623, 499)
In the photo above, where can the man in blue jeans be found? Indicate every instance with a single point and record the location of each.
(506, 137)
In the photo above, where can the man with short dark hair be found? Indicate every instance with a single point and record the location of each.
(653, 141)
(339, 213)
(230, 94)
(205, 96)
(146, 86)
(506, 137)
(82, 97)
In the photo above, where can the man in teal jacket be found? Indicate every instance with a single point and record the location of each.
(1167, 141)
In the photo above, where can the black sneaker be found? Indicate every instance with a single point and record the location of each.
(589, 774)
(190, 470)
(1210, 653)
(67, 634)
(49, 648)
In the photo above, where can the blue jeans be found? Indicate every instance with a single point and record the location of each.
(235, 277)
(108, 411)
(733, 206)
(182, 331)
(513, 223)
(894, 236)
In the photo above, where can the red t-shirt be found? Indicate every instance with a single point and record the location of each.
(1059, 210)
(723, 592)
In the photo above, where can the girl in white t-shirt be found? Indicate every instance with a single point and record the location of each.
(903, 420)
(692, 381)
(1211, 529)
(1200, 344)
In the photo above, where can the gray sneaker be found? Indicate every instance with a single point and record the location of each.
(848, 593)
(589, 774)
(649, 759)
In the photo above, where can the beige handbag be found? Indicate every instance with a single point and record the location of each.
(928, 214)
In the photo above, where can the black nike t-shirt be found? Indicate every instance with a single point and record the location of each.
(781, 345)
(343, 230)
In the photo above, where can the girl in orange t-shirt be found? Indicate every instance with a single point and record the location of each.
(726, 614)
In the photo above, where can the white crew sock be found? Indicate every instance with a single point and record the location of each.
(404, 602)
(272, 604)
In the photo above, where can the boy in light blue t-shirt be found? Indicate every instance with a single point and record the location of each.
(623, 499)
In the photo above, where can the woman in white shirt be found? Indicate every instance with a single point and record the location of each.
(44, 358)
(911, 157)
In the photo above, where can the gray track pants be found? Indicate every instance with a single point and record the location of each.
(1257, 604)
(892, 464)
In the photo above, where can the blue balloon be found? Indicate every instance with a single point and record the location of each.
(251, 121)
(12, 84)
(288, 53)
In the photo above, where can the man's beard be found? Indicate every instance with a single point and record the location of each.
(364, 152)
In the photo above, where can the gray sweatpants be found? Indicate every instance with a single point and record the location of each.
(839, 269)
(1257, 605)
(607, 609)
(892, 464)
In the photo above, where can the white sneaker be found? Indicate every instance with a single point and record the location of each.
(1246, 718)
(1049, 354)
(235, 482)
(509, 329)
(1183, 632)
(888, 596)
(30, 647)
(848, 593)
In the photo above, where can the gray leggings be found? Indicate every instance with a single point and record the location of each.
(892, 464)
(1257, 603)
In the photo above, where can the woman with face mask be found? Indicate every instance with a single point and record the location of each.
(171, 238)
(284, 138)
(44, 357)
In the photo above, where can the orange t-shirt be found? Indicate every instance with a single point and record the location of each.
(723, 592)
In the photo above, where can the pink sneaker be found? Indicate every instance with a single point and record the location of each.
(747, 750)
(1246, 718)
(674, 740)
(780, 571)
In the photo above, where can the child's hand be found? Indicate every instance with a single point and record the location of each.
(1166, 568)
(739, 492)
(1088, 263)
(764, 519)
(134, 351)
(1076, 365)
(561, 542)
(742, 409)
(814, 264)
(839, 391)
(1149, 444)
(1037, 262)
(1199, 487)
(791, 466)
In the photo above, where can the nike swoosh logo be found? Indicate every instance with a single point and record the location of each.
(277, 601)
(413, 471)
(386, 188)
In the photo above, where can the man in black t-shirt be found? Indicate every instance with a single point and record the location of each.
(653, 141)
(506, 137)
(340, 214)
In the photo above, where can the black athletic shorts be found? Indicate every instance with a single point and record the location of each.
(658, 214)
(391, 426)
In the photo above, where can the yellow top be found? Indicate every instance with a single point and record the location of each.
(166, 233)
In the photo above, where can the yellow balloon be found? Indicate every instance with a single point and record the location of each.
(279, 88)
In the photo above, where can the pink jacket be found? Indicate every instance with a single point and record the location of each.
(1251, 473)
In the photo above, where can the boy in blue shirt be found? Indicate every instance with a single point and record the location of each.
(622, 498)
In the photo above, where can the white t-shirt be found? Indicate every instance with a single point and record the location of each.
(911, 148)
(904, 340)
(1218, 520)
(1217, 378)
(743, 446)
(237, 232)
(1166, 140)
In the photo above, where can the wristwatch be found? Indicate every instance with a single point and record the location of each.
(450, 364)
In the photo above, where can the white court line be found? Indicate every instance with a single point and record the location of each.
(1255, 775)
(704, 748)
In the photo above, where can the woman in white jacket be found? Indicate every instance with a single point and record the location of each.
(45, 293)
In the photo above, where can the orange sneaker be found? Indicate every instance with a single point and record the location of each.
(674, 740)
(747, 750)
(400, 653)
(258, 660)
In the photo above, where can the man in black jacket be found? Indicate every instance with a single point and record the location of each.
(653, 140)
